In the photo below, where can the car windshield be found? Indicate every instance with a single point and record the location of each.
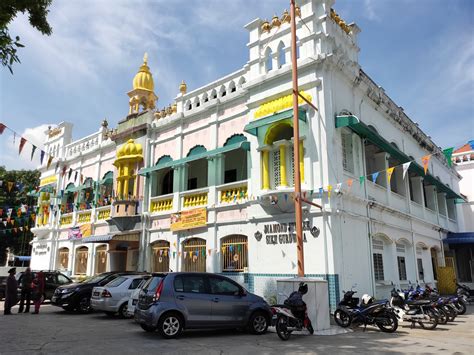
(116, 282)
(95, 279)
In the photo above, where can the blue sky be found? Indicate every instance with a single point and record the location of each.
(420, 51)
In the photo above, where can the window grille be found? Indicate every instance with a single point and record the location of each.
(161, 256)
(378, 266)
(234, 253)
(402, 270)
(101, 259)
(194, 255)
(421, 273)
(82, 255)
(63, 260)
(377, 244)
(276, 168)
(347, 152)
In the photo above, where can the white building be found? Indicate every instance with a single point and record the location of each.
(220, 158)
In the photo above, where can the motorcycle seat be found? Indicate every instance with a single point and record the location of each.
(419, 302)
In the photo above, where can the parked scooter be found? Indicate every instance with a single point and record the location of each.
(292, 314)
(465, 292)
(369, 312)
(413, 311)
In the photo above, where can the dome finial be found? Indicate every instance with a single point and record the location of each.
(145, 58)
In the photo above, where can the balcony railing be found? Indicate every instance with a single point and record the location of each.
(84, 217)
(103, 213)
(194, 198)
(66, 219)
(233, 192)
(161, 203)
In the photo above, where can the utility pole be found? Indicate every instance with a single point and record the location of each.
(296, 145)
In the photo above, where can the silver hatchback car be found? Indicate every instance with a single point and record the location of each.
(176, 301)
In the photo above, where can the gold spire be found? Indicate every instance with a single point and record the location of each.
(266, 27)
(144, 79)
(285, 17)
(183, 87)
(276, 21)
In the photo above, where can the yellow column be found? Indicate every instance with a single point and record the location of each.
(135, 186)
(283, 181)
(301, 161)
(119, 187)
(265, 170)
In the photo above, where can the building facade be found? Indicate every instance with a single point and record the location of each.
(206, 183)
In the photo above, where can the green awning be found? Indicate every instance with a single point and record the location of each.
(107, 179)
(366, 132)
(33, 193)
(245, 145)
(253, 126)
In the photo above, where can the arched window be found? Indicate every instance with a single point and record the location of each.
(101, 259)
(401, 261)
(197, 169)
(105, 190)
(188, 105)
(197, 103)
(377, 256)
(62, 263)
(205, 98)
(235, 162)
(161, 256)
(222, 91)
(241, 81)
(82, 255)
(167, 183)
(214, 94)
(281, 55)
(194, 255)
(268, 60)
(232, 87)
(234, 253)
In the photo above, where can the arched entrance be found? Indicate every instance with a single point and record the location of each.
(194, 255)
(62, 262)
(161, 256)
(234, 253)
(101, 259)
(82, 255)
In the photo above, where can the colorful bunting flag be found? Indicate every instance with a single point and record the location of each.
(361, 179)
(33, 148)
(375, 176)
(349, 183)
(50, 160)
(389, 173)
(338, 187)
(9, 186)
(425, 161)
(22, 144)
(42, 157)
(2, 128)
(448, 152)
(329, 191)
(405, 168)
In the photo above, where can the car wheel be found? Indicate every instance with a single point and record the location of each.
(258, 323)
(170, 325)
(148, 328)
(84, 305)
(123, 311)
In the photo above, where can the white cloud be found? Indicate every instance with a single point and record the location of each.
(370, 12)
(10, 146)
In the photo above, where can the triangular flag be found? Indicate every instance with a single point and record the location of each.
(41, 157)
(389, 173)
(64, 171)
(361, 179)
(349, 183)
(2, 128)
(33, 151)
(405, 168)
(75, 176)
(375, 176)
(10, 185)
(338, 187)
(22, 144)
(69, 174)
(329, 190)
(448, 152)
(425, 161)
(50, 160)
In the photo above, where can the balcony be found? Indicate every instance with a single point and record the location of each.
(417, 209)
(233, 192)
(66, 219)
(398, 201)
(377, 192)
(161, 203)
(194, 198)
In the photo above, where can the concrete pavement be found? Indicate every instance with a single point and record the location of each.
(55, 331)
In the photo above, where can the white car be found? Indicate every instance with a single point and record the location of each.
(113, 297)
(132, 302)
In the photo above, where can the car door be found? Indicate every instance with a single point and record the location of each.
(193, 298)
(229, 303)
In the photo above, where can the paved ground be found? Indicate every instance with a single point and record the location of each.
(55, 331)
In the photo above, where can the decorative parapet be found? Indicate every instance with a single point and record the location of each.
(66, 219)
(84, 217)
(161, 204)
(280, 104)
(84, 145)
(341, 23)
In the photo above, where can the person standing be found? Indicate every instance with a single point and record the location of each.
(38, 291)
(10, 291)
(26, 281)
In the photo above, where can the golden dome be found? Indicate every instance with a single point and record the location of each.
(183, 87)
(266, 27)
(276, 21)
(130, 149)
(285, 17)
(144, 79)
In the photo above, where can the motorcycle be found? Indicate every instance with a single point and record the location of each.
(292, 314)
(369, 312)
(413, 311)
(465, 293)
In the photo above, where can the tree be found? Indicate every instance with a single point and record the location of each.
(17, 210)
(37, 12)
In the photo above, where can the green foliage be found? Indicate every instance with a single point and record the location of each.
(24, 181)
(37, 12)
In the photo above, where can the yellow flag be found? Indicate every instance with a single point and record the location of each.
(389, 173)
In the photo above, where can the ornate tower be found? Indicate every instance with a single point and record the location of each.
(142, 97)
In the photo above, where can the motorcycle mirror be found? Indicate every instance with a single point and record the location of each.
(391, 282)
